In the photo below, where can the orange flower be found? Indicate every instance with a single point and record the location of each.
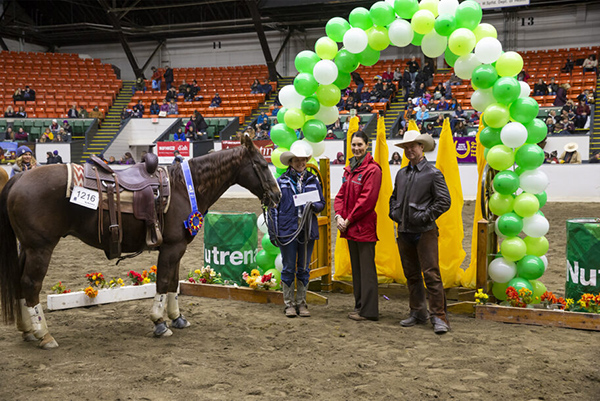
(90, 292)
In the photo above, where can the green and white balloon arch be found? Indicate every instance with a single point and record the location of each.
(510, 136)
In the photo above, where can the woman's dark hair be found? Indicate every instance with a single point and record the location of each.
(361, 135)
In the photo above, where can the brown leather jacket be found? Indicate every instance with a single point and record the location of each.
(420, 196)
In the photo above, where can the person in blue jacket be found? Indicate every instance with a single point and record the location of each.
(296, 243)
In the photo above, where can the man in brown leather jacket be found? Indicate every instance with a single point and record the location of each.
(420, 196)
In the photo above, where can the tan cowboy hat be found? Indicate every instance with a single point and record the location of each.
(415, 136)
(571, 147)
(286, 157)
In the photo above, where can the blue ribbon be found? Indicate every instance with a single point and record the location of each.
(194, 220)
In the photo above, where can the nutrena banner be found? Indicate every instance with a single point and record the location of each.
(165, 151)
(264, 146)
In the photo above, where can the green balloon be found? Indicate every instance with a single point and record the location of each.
(526, 204)
(417, 39)
(509, 64)
(314, 130)
(283, 136)
(529, 156)
(499, 290)
(276, 157)
(268, 246)
(542, 198)
(378, 38)
(531, 267)
(281, 113)
(382, 13)
(328, 95)
(490, 137)
(406, 8)
(281, 170)
(305, 84)
(276, 274)
(336, 28)
(346, 61)
(265, 260)
(326, 48)
(537, 246)
(306, 60)
(506, 90)
(524, 110)
(513, 249)
(517, 283)
(423, 21)
(506, 182)
(343, 81)
(484, 76)
(450, 57)
(510, 224)
(536, 131)
(445, 24)
(462, 41)
(538, 290)
(310, 105)
(368, 57)
(468, 15)
(500, 157)
(360, 18)
(294, 118)
(501, 204)
(496, 115)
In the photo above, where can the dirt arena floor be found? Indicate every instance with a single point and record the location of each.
(242, 351)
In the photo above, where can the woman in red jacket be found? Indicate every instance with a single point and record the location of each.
(357, 221)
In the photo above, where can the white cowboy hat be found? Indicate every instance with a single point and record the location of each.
(286, 157)
(571, 147)
(415, 136)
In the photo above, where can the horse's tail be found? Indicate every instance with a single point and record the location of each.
(10, 269)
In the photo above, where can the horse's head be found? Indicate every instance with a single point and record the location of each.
(255, 175)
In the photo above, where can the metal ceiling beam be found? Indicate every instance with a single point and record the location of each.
(284, 44)
(131, 7)
(197, 3)
(253, 7)
(160, 44)
(3, 44)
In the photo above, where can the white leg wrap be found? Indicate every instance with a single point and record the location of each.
(38, 321)
(24, 324)
(158, 307)
(172, 306)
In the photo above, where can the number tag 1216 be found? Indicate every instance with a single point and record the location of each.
(85, 197)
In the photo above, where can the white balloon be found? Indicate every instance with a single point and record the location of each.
(525, 89)
(290, 98)
(464, 65)
(482, 98)
(317, 147)
(301, 147)
(355, 40)
(545, 260)
(534, 181)
(447, 7)
(434, 44)
(497, 230)
(513, 134)
(279, 262)
(401, 33)
(536, 226)
(328, 115)
(488, 50)
(325, 72)
(261, 224)
(501, 270)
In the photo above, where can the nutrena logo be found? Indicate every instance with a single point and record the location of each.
(577, 275)
(216, 257)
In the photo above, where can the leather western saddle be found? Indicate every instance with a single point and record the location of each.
(150, 187)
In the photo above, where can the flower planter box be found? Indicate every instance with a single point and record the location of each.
(242, 293)
(539, 317)
(78, 299)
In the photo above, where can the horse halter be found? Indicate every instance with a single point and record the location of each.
(266, 199)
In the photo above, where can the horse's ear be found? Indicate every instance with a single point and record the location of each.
(247, 142)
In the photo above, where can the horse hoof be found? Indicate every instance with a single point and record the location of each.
(29, 337)
(48, 342)
(180, 323)
(161, 330)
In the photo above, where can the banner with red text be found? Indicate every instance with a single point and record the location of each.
(165, 151)
(264, 146)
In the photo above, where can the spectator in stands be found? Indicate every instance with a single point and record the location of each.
(570, 155)
(568, 110)
(139, 85)
(552, 114)
(136, 112)
(330, 135)
(200, 123)
(54, 127)
(188, 96)
(558, 129)
(568, 67)
(164, 107)
(339, 159)
(127, 159)
(21, 113)
(387, 76)
(413, 67)
(156, 79)
(191, 134)
(173, 108)
(96, 113)
(261, 134)
(582, 113)
(250, 133)
(474, 119)
(154, 108)
(67, 127)
(49, 158)
(9, 113)
(585, 97)
(409, 113)
(396, 159)
(57, 158)
(419, 92)
(346, 125)
(126, 114)
(422, 114)
(216, 101)
(47, 135)
(177, 159)
(552, 86)
(540, 89)
(460, 129)
(360, 83)
(523, 76)
(453, 80)
(9, 135)
(17, 96)
(266, 88)
(561, 95)
(595, 158)
(590, 64)
(438, 92)
(397, 76)
(442, 104)
(83, 113)
(168, 75)
(196, 90)
(111, 160)
(28, 94)
(568, 126)
(551, 158)
(262, 122)
(457, 115)
(21, 135)
(430, 130)
(255, 87)
(25, 160)
(385, 94)
(60, 136)
(427, 73)
(550, 122)
(171, 94)
(72, 113)
(179, 135)
(183, 88)
(407, 84)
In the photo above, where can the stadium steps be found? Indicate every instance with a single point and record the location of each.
(266, 105)
(394, 110)
(111, 125)
(595, 136)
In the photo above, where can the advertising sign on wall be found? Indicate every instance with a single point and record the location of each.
(164, 151)
(264, 146)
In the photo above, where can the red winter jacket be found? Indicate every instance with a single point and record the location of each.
(357, 198)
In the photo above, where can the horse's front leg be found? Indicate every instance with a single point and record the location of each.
(166, 290)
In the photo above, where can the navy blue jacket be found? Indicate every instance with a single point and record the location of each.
(285, 216)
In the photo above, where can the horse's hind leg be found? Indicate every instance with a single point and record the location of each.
(33, 322)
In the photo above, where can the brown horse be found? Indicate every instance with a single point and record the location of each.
(34, 209)
(3, 178)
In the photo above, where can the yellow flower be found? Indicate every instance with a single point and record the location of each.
(120, 281)
(255, 273)
(146, 280)
(94, 277)
(197, 271)
(90, 292)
